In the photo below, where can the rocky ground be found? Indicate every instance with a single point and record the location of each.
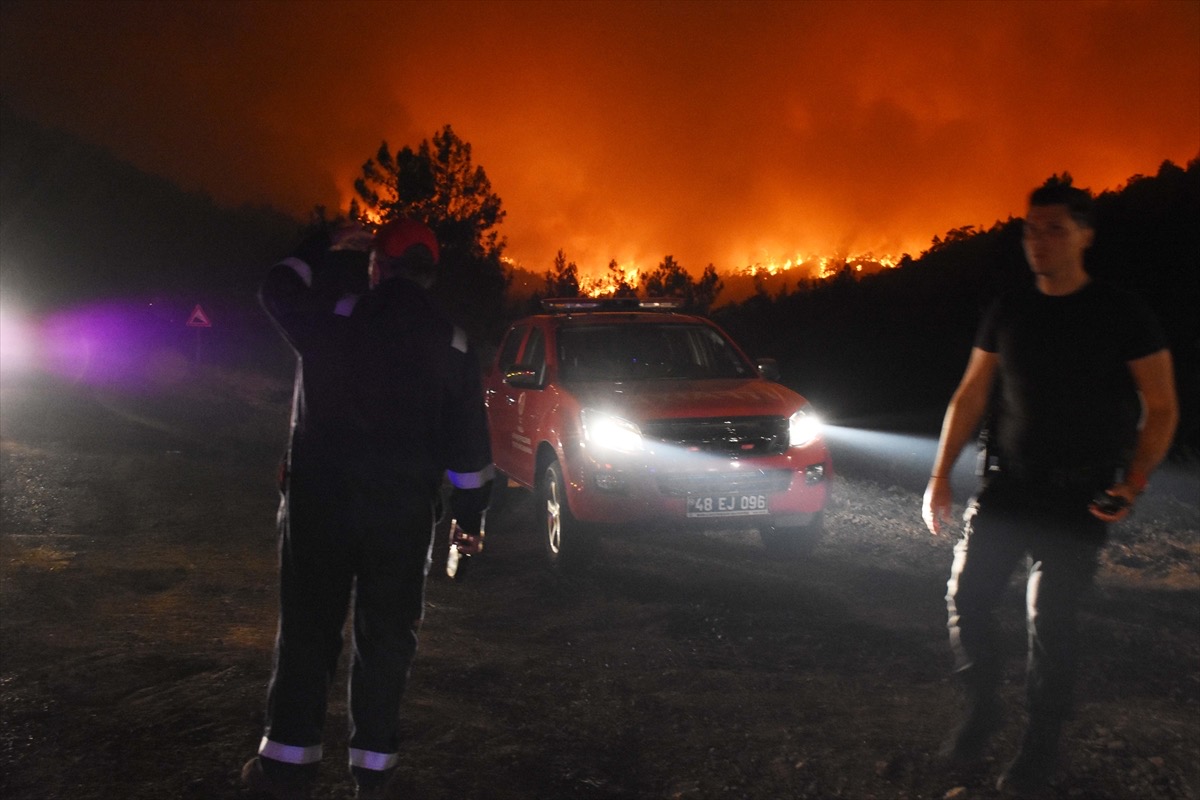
(137, 611)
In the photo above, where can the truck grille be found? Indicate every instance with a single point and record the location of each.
(679, 484)
(734, 437)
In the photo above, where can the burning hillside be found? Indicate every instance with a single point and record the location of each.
(771, 276)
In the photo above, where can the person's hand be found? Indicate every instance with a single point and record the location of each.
(463, 545)
(935, 506)
(467, 544)
(349, 234)
(1115, 504)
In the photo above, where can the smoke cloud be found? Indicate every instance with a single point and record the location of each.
(716, 132)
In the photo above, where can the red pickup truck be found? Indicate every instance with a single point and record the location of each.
(625, 412)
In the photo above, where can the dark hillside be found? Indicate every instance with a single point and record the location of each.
(77, 226)
(887, 350)
(886, 345)
(1148, 238)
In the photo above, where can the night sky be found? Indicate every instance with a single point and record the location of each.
(722, 132)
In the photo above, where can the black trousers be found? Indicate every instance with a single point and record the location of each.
(1059, 540)
(344, 545)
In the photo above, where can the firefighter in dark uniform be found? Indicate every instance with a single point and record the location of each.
(388, 400)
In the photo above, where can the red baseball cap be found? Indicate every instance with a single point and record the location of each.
(394, 238)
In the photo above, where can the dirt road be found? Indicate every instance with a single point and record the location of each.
(138, 604)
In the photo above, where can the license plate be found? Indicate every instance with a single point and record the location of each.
(726, 505)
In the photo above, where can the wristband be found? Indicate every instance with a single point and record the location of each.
(938, 477)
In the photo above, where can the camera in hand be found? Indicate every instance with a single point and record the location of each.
(462, 547)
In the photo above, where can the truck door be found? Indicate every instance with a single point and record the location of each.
(501, 400)
(528, 407)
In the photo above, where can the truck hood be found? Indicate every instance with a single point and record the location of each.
(638, 401)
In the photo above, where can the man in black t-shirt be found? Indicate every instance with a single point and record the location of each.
(1085, 410)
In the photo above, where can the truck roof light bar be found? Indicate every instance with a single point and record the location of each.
(566, 305)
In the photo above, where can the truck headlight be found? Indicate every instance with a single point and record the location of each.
(803, 427)
(606, 431)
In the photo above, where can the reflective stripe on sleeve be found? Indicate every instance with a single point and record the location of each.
(459, 340)
(471, 480)
(289, 754)
(345, 305)
(365, 759)
(301, 268)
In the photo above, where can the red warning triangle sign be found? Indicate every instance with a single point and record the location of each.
(198, 319)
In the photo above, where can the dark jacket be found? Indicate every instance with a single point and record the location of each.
(387, 392)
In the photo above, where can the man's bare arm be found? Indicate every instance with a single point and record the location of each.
(962, 418)
(1155, 380)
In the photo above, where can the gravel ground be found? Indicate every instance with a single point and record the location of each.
(137, 591)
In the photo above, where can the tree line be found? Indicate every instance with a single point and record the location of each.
(77, 223)
(886, 347)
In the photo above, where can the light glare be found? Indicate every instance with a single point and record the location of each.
(17, 341)
(608, 432)
(803, 428)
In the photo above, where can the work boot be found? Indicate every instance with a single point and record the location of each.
(965, 745)
(276, 787)
(1030, 772)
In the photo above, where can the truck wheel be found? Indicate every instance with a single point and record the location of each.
(794, 542)
(568, 543)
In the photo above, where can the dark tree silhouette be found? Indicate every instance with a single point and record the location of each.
(670, 279)
(705, 290)
(438, 184)
(563, 279)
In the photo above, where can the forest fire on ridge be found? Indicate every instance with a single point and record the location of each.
(821, 267)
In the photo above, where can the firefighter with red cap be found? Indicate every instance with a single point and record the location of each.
(388, 400)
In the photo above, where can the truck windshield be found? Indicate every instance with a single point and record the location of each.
(642, 351)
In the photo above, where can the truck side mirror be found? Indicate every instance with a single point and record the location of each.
(768, 368)
(522, 377)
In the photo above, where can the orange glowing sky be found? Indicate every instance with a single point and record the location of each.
(722, 132)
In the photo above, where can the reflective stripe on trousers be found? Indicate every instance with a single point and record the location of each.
(378, 762)
(289, 754)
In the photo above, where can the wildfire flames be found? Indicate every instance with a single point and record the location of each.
(807, 266)
(803, 267)
(608, 284)
(821, 267)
